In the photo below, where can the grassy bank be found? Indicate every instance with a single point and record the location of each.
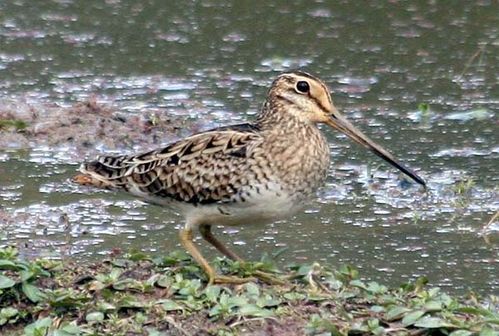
(136, 294)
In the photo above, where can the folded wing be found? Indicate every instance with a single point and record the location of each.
(204, 168)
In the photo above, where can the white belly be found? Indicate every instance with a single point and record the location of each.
(265, 206)
(241, 214)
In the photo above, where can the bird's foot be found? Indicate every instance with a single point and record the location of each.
(268, 278)
(227, 279)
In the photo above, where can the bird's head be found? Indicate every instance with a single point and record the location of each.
(306, 98)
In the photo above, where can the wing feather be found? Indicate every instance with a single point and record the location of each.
(204, 168)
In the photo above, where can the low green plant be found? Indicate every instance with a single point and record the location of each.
(17, 276)
(137, 293)
(15, 124)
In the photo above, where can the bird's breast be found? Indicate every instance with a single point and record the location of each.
(299, 162)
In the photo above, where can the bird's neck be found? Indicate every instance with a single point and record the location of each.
(275, 115)
(286, 132)
(298, 150)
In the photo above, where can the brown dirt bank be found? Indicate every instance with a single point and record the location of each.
(84, 127)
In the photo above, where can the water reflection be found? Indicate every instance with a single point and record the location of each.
(208, 64)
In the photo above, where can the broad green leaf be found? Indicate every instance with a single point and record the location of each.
(359, 284)
(396, 313)
(68, 330)
(138, 256)
(8, 265)
(252, 289)
(170, 305)
(62, 333)
(164, 281)
(8, 252)
(115, 273)
(432, 322)
(376, 288)
(345, 294)
(375, 328)
(8, 312)
(38, 327)
(487, 331)
(412, 317)
(433, 306)
(461, 333)
(237, 301)
(104, 306)
(32, 292)
(212, 293)
(267, 301)
(6, 282)
(254, 310)
(125, 284)
(155, 332)
(475, 311)
(373, 324)
(304, 270)
(129, 302)
(26, 275)
(433, 291)
(71, 328)
(216, 310)
(94, 317)
(377, 309)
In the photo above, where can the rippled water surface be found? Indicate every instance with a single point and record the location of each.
(209, 63)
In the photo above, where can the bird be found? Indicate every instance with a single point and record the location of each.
(242, 174)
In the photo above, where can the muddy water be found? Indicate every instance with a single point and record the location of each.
(210, 63)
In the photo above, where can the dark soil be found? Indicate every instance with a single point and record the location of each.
(84, 127)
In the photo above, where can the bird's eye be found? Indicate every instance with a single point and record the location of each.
(302, 87)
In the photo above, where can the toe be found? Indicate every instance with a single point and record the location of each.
(223, 279)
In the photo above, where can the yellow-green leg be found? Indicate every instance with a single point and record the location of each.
(206, 233)
(188, 244)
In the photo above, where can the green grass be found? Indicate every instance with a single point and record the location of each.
(137, 294)
(17, 125)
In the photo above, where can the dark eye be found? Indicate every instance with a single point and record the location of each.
(302, 87)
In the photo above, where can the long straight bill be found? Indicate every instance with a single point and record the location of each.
(338, 122)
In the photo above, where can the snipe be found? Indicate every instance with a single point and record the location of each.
(240, 174)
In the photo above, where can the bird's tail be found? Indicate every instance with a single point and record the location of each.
(107, 172)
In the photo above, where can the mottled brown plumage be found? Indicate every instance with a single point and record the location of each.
(240, 174)
(200, 169)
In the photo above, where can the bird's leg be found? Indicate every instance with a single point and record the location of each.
(206, 233)
(188, 244)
